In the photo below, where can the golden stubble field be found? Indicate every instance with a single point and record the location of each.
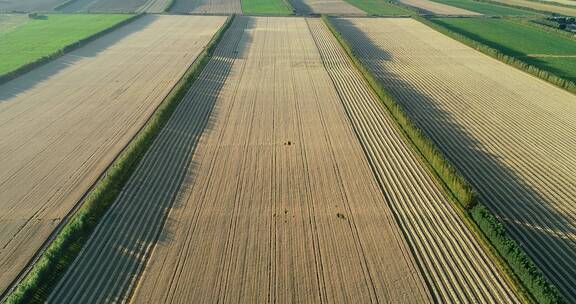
(62, 124)
(511, 134)
(280, 178)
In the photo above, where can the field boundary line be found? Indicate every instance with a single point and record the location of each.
(517, 267)
(63, 51)
(512, 61)
(58, 252)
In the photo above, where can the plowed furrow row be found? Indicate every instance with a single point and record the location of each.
(509, 133)
(65, 122)
(455, 265)
(126, 234)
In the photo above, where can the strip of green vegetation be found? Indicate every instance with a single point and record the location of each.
(528, 279)
(487, 8)
(48, 36)
(547, 55)
(380, 7)
(59, 255)
(454, 182)
(276, 7)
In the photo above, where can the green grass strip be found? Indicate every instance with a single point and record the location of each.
(39, 41)
(487, 8)
(509, 256)
(518, 40)
(499, 55)
(36, 286)
(381, 7)
(453, 180)
(261, 7)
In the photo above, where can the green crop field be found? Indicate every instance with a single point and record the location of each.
(548, 51)
(38, 38)
(379, 7)
(486, 8)
(279, 7)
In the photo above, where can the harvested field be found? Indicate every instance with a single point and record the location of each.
(457, 268)
(509, 133)
(9, 22)
(277, 201)
(487, 8)
(432, 7)
(62, 124)
(28, 5)
(149, 6)
(548, 51)
(546, 7)
(207, 6)
(325, 7)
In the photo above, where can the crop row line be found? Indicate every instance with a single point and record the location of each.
(65, 246)
(521, 269)
(494, 53)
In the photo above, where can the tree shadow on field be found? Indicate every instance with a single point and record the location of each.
(542, 230)
(44, 73)
(301, 7)
(137, 221)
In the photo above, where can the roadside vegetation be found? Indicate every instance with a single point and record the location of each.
(48, 36)
(275, 7)
(487, 8)
(381, 7)
(36, 286)
(547, 55)
(513, 258)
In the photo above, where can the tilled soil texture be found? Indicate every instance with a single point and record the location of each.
(62, 124)
(207, 6)
(277, 204)
(335, 7)
(428, 6)
(149, 6)
(456, 266)
(28, 5)
(511, 134)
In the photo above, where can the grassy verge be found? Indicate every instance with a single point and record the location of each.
(516, 39)
(381, 7)
(512, 260)
(274, 7)
(486, 8)
(61, 251)
(39, 41)
(454, 182)
(562, 66)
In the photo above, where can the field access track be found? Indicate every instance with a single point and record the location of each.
(278, 203)
(63, 123)
(511, 134)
